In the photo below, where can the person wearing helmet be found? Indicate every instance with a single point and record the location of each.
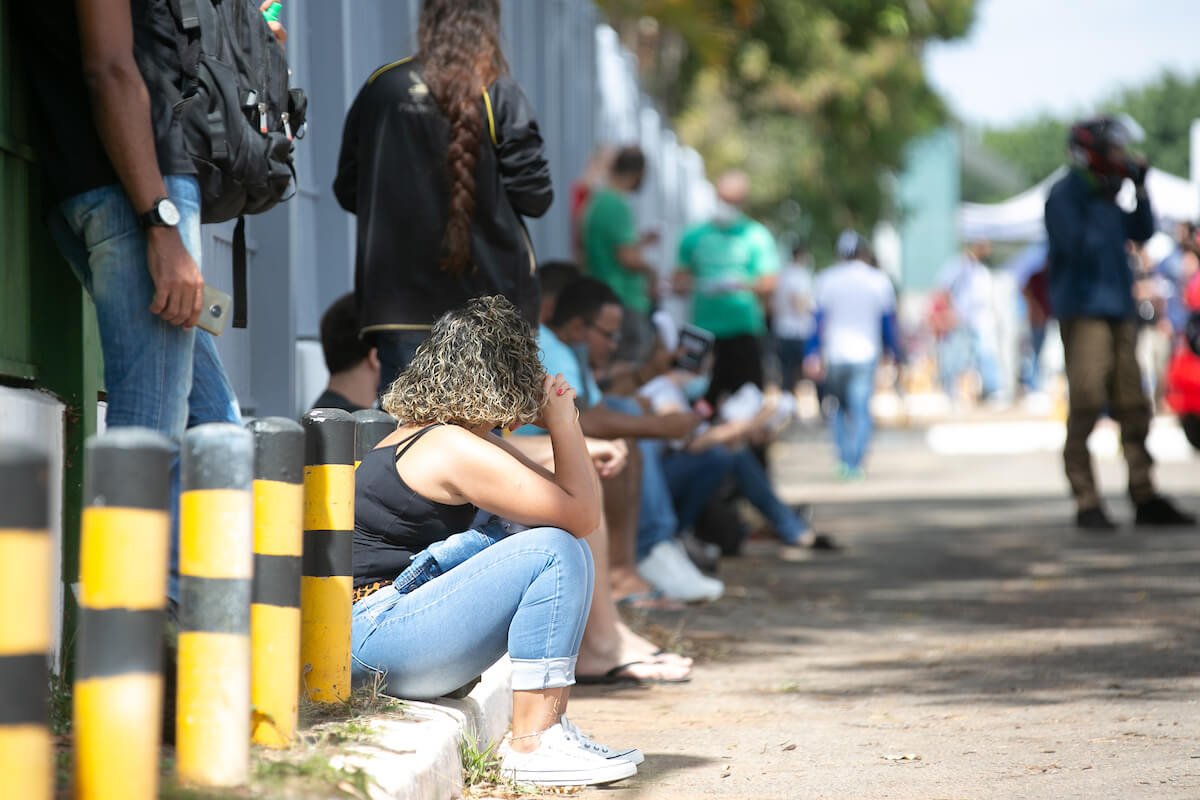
(1091, 290)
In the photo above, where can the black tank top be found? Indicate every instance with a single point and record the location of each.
(392, 523)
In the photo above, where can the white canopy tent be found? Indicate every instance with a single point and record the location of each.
(1019, 218)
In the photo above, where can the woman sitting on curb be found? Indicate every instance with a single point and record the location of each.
(529, 592)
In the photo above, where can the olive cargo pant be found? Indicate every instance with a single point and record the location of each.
(1103, 375)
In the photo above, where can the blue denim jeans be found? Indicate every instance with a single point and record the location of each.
(852, 385)
(965, 349)
(156, 375)
(396, 350)
(694, 477)
(441, 557)
(529, 594)
(657, 520)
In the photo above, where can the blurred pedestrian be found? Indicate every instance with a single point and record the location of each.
(792, 320)
(612, 250)
(1091, 290)
(730, 266)
(855, 323)
(441, 158)
(972, 341)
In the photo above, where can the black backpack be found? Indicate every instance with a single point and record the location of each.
(238, 115)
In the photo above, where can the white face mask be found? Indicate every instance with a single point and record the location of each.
(726, 214)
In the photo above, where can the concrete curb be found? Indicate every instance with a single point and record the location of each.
(415, 756)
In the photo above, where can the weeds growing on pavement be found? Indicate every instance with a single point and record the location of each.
(363, 701)
(483, 779)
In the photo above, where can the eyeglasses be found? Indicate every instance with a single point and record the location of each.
(613, 336)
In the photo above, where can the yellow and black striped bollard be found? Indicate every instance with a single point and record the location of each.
(26, 749)
(372, 426)
(122, 596)
(275, 608)
(216, 564)
(327, 583)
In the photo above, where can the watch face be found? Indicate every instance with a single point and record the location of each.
(168, 213)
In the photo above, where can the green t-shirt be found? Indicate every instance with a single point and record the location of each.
(725, 262)
(608, 225)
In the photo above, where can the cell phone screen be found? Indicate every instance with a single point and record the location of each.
(694, 346)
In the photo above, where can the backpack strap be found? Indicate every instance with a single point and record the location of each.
(239, 273)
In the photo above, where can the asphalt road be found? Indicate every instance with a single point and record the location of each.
(967, 644)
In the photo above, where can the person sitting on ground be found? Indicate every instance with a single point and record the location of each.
(529, 593)
(610, 652)
(723, 446)
(352, 363)
(583, 333)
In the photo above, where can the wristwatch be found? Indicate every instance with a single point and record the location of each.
(163, 214)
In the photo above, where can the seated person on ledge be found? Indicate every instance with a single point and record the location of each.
(529, 592)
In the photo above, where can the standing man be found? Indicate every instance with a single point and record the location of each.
(612, 249)
(729, 264)
(1091, 290)
(856, 320)
(126, 211)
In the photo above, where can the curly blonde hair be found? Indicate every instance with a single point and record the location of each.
(479, 366)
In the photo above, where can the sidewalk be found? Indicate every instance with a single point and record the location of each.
(969, 644)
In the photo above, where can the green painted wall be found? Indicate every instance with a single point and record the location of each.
(48, 337)
(928, 199)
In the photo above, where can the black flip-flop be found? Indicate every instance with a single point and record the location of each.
(617, 675)
(824, 542)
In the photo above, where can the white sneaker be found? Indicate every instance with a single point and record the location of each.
(669, 570)
(561, 760)
(632, 754)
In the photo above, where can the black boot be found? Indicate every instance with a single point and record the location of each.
(1159, 512)
(1094, 520)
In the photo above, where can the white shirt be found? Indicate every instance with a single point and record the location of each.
(969, 283)
(853, 298)
(791, 305)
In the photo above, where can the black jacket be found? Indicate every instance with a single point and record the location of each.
(392, 174)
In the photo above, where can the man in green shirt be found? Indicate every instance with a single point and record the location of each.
(729, 265)
(612, 249)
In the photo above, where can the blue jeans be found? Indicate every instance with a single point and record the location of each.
(441, 557)
(852, 385)
(657, 520)
(694, 477)
(396, 350)
(964, 349)
(156, 375)
(529, 594)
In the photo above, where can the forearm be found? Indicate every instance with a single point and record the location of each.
(574, 473)
(121, 106)
(604, 423)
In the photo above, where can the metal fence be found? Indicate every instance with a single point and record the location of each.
(581, 82)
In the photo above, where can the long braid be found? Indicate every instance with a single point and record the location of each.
(461, 55)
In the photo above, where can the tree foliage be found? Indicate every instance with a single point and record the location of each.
(1164, 107)
(815, 99)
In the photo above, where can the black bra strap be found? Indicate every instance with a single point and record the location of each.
(408, 441)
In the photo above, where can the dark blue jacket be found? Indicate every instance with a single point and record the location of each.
(1087, 264)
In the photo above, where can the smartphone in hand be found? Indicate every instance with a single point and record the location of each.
(215, 311)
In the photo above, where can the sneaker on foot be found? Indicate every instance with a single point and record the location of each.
(1094, 520)
(631, 754)
(705, 555)
(669, 570)
(1161, 512)
(560, 760)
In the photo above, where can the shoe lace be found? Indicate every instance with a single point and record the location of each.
(582, 739)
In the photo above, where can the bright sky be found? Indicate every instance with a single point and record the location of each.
(1027, 56)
